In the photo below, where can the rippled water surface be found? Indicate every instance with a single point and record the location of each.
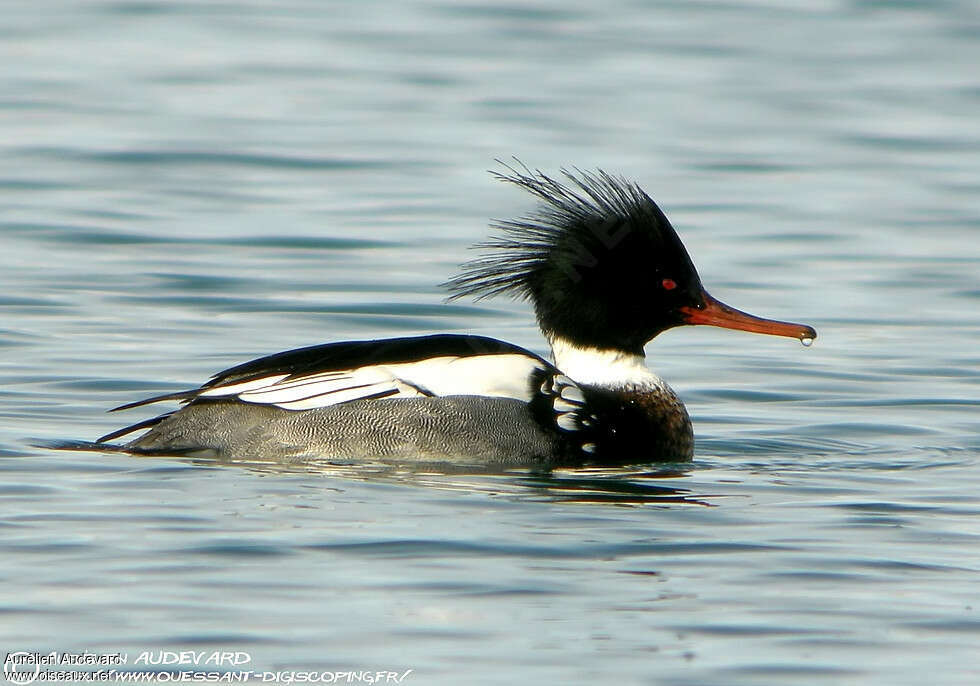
(187, 185)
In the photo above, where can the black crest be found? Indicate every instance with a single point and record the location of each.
(592, 258)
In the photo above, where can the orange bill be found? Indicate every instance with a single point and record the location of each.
(717, 313)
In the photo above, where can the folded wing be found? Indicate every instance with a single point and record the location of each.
(324, 375)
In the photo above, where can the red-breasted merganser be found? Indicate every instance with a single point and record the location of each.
(606, 273)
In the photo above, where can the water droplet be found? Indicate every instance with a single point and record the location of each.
(806, 341)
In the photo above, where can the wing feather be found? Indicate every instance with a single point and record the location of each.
(337, 373)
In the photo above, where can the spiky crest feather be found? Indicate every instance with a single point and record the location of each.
(566, 220)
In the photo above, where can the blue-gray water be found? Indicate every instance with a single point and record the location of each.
(187, 185)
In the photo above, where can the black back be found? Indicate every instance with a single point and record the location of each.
(351, 354)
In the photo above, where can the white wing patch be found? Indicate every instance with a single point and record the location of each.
(235, 388)
(503, 375)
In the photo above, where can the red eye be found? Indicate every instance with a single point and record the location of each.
(668, 284)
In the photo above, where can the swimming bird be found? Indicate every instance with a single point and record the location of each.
(605, 272)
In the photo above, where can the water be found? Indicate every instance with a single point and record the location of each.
(187, 185)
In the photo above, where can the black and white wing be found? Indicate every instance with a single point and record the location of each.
(564, 405)
(324, 375)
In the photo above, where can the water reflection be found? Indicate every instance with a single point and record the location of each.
(643, 485)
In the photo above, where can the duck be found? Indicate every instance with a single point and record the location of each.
(605, 272)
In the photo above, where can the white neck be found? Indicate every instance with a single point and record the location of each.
(597, 367)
